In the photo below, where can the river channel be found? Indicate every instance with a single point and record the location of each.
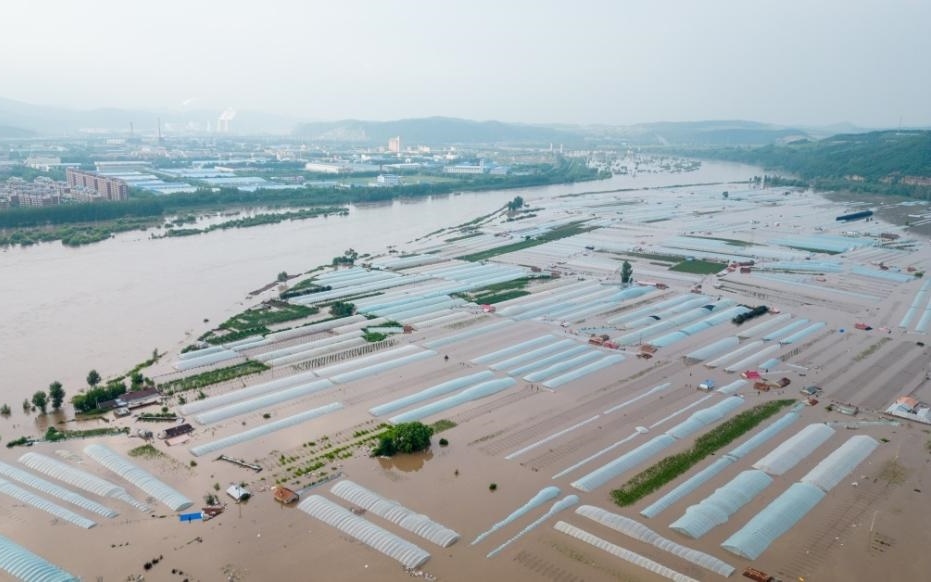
(64, 311)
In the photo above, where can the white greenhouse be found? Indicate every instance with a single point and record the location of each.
(395, 512)
(431, 392)
(264, 401)
(624, 463)
(686, 487)
(469, 394)
(259, 431)
(835, 467)
(774, 520)
(138, 476)
(29, 498)
(622, 553)
(718, 507)
(794, 449)
(79, 478)
(24, 565)
(544, 495)
(45, 486)
(393, 546)
(639, 531)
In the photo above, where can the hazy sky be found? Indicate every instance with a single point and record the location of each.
(575, 61)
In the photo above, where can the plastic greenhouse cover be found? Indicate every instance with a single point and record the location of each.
(764, 325)
(380, 367)
(355, 363)
(794, 449)
(574, 375)
(563, 364)
(835, 467)
(431, 392)
(639, 531)
(800, 335)
(705, 417)
(718, 507)
(205, 360)
(549, 360)
(247, 393)
(138, 477)
(561, 505)
(714, 348)
(25, 565)
(58, 491)
(514, 349)
(686, 487)
(757, 440)
(259, 431)
(312, 328)
(621, 553)
(774, 520)
(311, 345)
(395, 512)
(470, 333)
(519, 359)
(24, 496)
(544, 495)
(785, 330)
(79, 478)
(752, 361)
(409, 555)
(730, 356)
(469, 394)
(624, 463)
(264, 401)
(631, 316)
(735, 386)
(309, 353)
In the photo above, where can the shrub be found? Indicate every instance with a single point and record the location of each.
(493, 487)
(443, 442)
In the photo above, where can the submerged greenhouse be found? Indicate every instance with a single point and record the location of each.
(139, 477)
(361, 529)
(23, 564)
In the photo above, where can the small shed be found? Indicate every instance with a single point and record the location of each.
(238, 492)
(751, 375)
(283, 495)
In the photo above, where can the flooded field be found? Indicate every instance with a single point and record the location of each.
(581, 383)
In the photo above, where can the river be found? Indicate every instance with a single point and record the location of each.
(64, 311)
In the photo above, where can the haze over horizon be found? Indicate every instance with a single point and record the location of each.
(777, 62)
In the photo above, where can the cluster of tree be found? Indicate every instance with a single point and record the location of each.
(19, 217)
(406, 437)
(627, 273)
(41, 399)
(515, 204)
(89, 399)
(342, 309)
(875, 161)
(755, 312)
(348, 258)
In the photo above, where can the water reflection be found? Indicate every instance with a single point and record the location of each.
(406, 463)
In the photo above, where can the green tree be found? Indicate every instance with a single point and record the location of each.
(40, 401)
(342, 309)
(282, 276)
(5, 410)
(627, 273)
(56, 394)
(515, 204)
(407, 437)
(93, 378)
(136, 380)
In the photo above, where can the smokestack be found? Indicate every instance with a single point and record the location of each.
(159, 130)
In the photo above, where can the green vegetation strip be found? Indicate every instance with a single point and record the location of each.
(442, 424)
(213, 377)
(565, 231)
(54, 435)
(698, 267)
(653, 478)
(146, 451)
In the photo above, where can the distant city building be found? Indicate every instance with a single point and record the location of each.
(466, 168)
(388, 180)
(123, 166)
(324, 168)
(394, 145)
(42, 163)
(107, 188)
(41, 192)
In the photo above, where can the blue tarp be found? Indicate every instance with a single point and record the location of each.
(190, 516)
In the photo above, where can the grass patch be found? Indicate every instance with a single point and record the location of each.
(268, 313)
(54, 435)
(146, 451)
(655, 257)
(669, 468)
(442, 424)
(811, 250)
(698, 267)
(499, 297)
(212, 377)
(730, 241)
(374, 336)
(233, 336)
(498, 292)
(463, 237)
(871, 349)
(567, 230)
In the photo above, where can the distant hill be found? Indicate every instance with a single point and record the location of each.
(8, 131)
(432, 131)
(709, 133)
(59, 121)
(879, 161)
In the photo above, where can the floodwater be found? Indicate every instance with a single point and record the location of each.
(106, 306)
